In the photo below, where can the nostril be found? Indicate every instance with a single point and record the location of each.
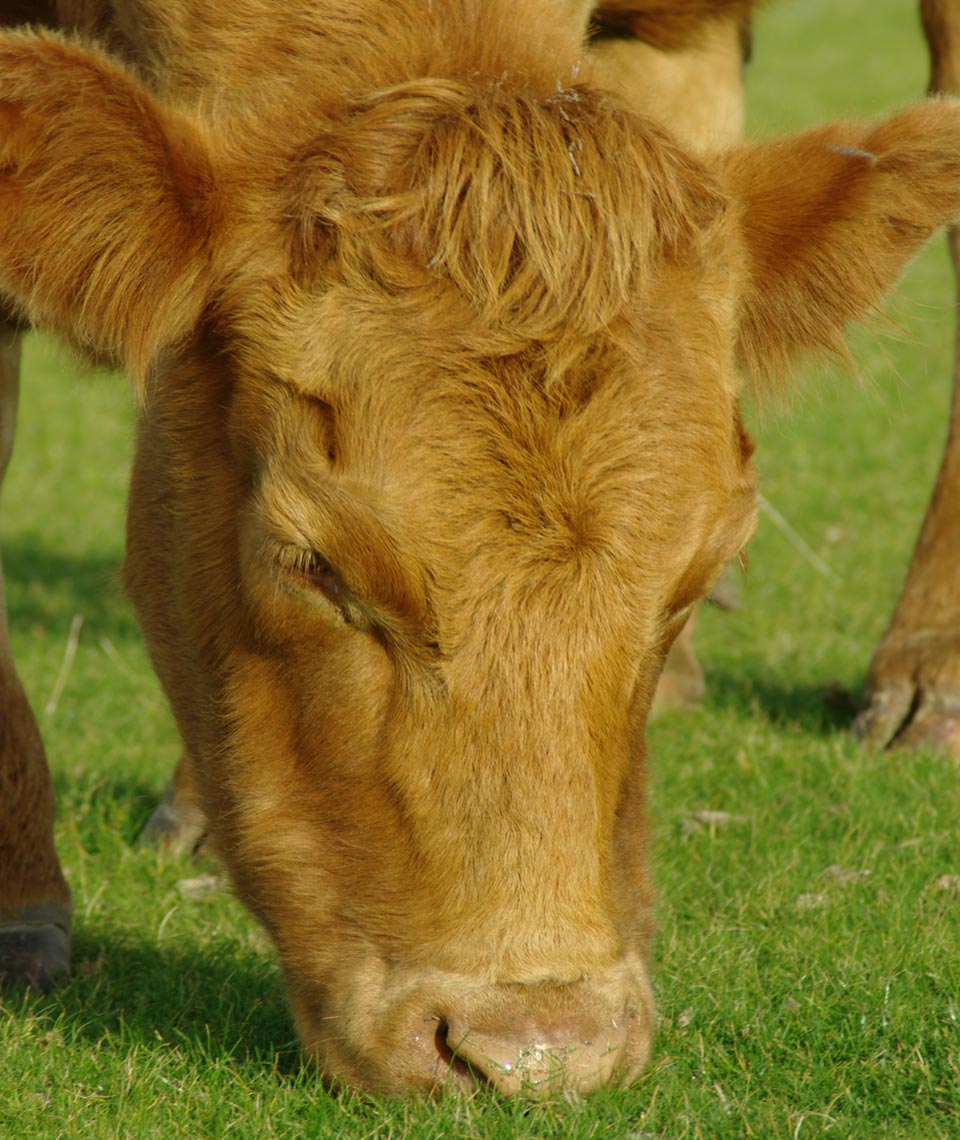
(461, 1073)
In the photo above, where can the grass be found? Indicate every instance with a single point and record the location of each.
(797, 1000)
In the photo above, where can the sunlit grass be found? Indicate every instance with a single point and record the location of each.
(808, 961)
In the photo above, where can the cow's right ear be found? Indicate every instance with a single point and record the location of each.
(108, 202)
(829, 219)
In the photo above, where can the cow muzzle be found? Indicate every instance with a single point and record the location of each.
(443, 1033)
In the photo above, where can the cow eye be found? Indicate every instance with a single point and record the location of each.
(310, 566)
(311, 570)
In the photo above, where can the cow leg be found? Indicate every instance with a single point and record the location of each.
(178, 822)
(34, 897)
(913, 686)
(682, 683)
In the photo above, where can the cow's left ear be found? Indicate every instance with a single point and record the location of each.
(830, 218)
(108, 202)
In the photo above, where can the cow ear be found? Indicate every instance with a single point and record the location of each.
(829, 220)
(107, 202)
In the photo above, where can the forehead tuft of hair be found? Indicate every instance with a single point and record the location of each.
(546, 214)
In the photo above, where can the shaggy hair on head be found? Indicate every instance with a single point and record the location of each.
(549, 215)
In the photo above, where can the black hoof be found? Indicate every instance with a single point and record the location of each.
(34, 947)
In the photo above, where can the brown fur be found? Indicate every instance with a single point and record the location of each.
(804, 195)
(680, 63)
(669, 25)
(436, 345)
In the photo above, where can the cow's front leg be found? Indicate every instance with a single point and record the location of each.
(34, 897)
(913, 687)
(178, 822)
(682, 684)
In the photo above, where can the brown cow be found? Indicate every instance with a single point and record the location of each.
(437, 347)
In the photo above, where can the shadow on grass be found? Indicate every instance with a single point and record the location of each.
(46, 588)
(105, 807)
(820, 709)
(220, 1002)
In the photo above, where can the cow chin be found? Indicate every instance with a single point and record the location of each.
(392, 1031)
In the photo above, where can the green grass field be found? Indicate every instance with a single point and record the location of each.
(808, 962)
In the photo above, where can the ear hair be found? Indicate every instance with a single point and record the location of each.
(829, 220)
(108, 202)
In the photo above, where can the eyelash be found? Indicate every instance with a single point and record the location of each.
(309, 564)
(317, 573)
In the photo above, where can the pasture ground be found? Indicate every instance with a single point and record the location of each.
(809, 956)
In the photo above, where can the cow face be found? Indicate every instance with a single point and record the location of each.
(439, 442)
(445, 556)
(437, 610)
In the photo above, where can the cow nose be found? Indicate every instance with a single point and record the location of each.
(537, 1060)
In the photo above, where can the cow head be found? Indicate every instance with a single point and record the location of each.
(439, 442)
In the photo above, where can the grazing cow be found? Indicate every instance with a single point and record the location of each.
(438, 348)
